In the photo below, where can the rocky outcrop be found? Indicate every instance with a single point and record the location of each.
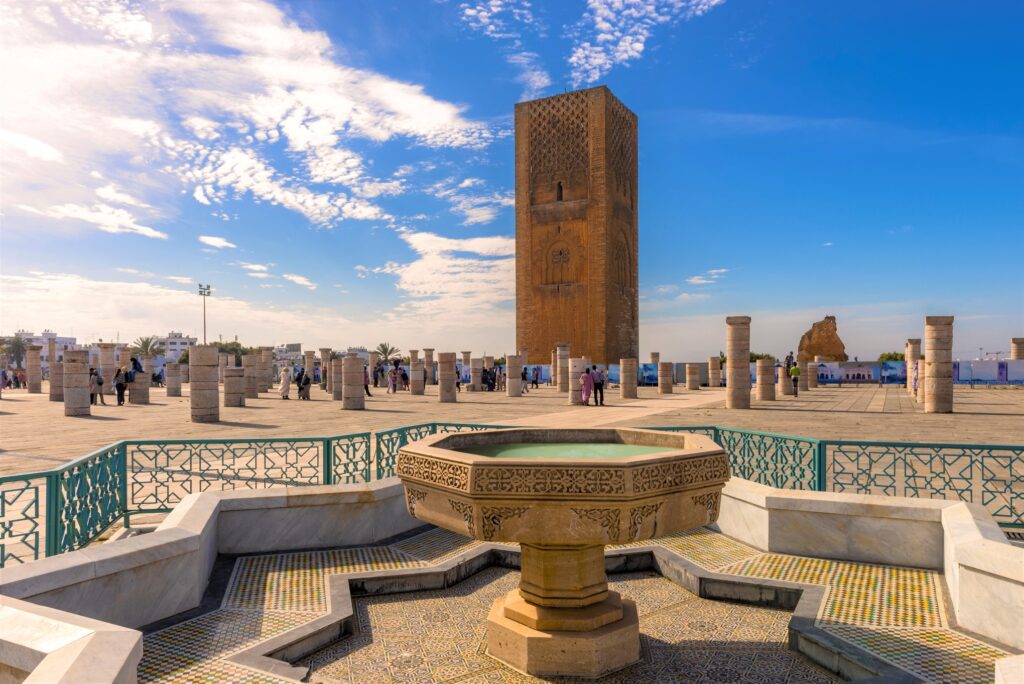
(822, 340)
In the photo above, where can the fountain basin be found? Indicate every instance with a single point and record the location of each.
(563, 494)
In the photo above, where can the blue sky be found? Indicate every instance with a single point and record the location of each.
(341, 172)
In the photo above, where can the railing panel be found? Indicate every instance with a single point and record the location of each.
(775, 460)
(706, 430)
(389, 442)
(23, 517)
(89, 497)
(351, 458)
(443, 428)
(162, 473)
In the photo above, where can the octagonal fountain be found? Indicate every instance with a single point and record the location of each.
(563, 494)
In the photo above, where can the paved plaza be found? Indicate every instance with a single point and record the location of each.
(35, 434)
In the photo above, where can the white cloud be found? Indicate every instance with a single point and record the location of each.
(718, 271)
(259, 274)
(254, 267)
(300, 280)
(36, 149)
(691, 297)
(532, 76)
(105, 217)
(216, 242)
(708, 277)
(614, 32)
(699, 280)
(361, 271)
(181, 280)
(112, 193)
(474, 208)
(498, 18)
(826, 244)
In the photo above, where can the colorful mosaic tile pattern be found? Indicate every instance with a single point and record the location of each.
(710, 550)
(859, 593)
(435, 546)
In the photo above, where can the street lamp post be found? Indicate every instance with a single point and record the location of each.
(204, 292)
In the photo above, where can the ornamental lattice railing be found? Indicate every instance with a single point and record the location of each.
(51, 512)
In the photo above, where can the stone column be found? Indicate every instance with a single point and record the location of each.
(374, 360)
(414, 356)
(309, 360)
(416, 383)
(714, 371)
(575, 369)
(428, 364)
(514, 383)
(1017, 348)
(138, 389)
(205, 387)
(337, 393)
(183, 369)
(446, 377)
(266, 369)
(221, 365)
(489, 362)
(911, 357)
(172, 375)
(812, 378)
(76, 382)
(737, 368)
(553, 376)
(57, 373)
(476, 374)
(692, 376)
(766, 379)
(466, 356)
(34, 368)
(803, 382)
(108, 365)
(627, 378)
(325, 368)
(563, 367)
(921, 393)
(784, 382)
(250, 371)
(234, 386)
(938, 352)
(664, 377)
(352, 383)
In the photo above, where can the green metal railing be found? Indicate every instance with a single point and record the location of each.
(52, 512)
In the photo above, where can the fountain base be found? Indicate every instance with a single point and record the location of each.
(582, 642)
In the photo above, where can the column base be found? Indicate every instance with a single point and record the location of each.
(550, 653)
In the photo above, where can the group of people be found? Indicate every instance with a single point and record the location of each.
(303, 381)
(123, 379)
(12, 379)
(793, 371)
(593, 380)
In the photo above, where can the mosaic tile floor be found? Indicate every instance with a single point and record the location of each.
(894, 613)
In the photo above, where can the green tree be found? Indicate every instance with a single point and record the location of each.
(754, 356)
(14, 349)
(891, 356)
(386, 351)
(146, 346)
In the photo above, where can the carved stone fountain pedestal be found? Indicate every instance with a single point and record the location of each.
(563, 620)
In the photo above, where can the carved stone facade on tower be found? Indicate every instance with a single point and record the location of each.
(576, 226)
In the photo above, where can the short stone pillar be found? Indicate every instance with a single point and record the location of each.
(138, 389)
(234, 386)
(337, 389)
(325, 368)
(575, 369)
(446, 371)
(714, 371)
(466, 356)
(805, 370)
(34, 368)
(655, 358)
(766, 379)
(476, 374)
(1016, 348)
(664, 377)
(221, 365)
(204, 360)
(812, 377)
(308, 362)
(183, 369)
(553, 375)
(562, 352)
(627, 378)
(489, 362)
(938, 354)
(416, 383)
(267, 357)
(57, 372)
(108, 365)
(172, 376)
(76, 382)
(911, 357)
(514, 382)
(352, 383)
(414, 356)
(921, 393)
(785, 384)
(250, 371)
(737, 363)
(428, 365)
(692, 376)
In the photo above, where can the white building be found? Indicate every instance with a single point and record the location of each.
(175, 344)
(63, 343)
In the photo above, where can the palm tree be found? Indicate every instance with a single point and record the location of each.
(146, 346)
(386, 351)
(14, 347)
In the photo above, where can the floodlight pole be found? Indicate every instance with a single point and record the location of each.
(204, 292)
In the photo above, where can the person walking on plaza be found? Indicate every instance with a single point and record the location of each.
(119, 386)
(789, 361)
(523, 378)
(587, 380)
(303, 383)
(598, 376)
(286, 381)
(366, 381)
(92, 386)
(794, 374)
(99, 387)
(536, 377)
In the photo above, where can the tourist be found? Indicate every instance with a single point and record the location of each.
(99, 387)
(119, 386)
(458, 378)
(286, 380)
(366, 381)
(789, 361)
(21, 379)
(303, 385)
(794, 374)
(598, 376)
(587, 380)
(523, 379)
(404, 377)
(536, 377)
(392, 377)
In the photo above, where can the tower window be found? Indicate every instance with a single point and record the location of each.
(558, 192)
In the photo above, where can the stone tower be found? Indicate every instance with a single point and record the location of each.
(576, 226)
